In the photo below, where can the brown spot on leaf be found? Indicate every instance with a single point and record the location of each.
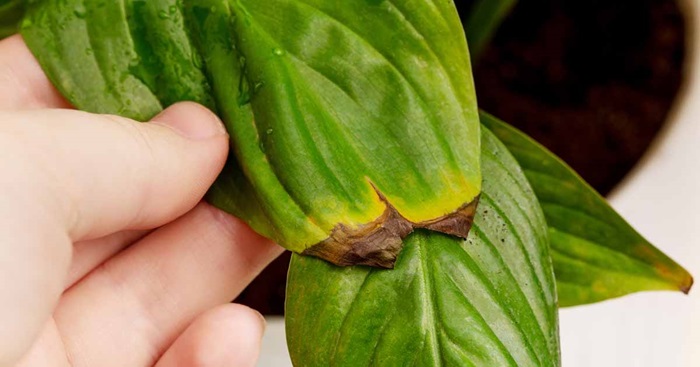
(457, 223)
(374, 244)
(379, 243)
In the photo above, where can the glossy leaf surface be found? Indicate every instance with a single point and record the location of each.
(596, 254)
(488, 301)
(352, 122)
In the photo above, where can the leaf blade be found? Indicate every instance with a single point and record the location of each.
(339, 137)
(597, 255)
(487, 301)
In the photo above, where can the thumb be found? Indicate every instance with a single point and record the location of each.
(105, 173)
(70, 175)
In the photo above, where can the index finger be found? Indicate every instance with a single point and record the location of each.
(23, 84)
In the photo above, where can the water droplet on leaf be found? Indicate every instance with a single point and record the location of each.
(27, 23)
(134, 62)
(258, 86)
(80, 11)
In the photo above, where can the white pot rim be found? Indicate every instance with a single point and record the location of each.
(666, 137)
(660, 199)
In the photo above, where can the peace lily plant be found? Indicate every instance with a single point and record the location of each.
(425, 232)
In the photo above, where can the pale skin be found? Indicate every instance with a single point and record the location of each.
(108, 256)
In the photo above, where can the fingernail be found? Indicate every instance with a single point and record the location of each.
(191, 120)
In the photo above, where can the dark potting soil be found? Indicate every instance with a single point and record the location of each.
(593, 80)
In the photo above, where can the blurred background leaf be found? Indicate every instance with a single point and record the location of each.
(11, 12)
(483, 20)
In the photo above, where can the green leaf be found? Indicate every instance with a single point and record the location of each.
(484, 18)
(488, 301)
(596, 254)
(352, 122)
(11, 12)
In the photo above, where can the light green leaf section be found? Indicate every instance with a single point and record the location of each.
(596, 254)
(339, 110)
(488, 301)
(11, 12)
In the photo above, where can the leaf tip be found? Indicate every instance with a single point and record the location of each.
(687, 284)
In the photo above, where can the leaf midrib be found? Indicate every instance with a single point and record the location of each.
(430, 304)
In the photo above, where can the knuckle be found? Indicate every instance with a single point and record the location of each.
(226, 225)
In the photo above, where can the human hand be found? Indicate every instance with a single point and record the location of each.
(107, 255)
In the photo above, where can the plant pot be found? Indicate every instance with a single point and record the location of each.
(660, 198)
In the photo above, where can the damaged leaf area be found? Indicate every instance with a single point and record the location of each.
(486, 301)
(378, 243)
(352, 123)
